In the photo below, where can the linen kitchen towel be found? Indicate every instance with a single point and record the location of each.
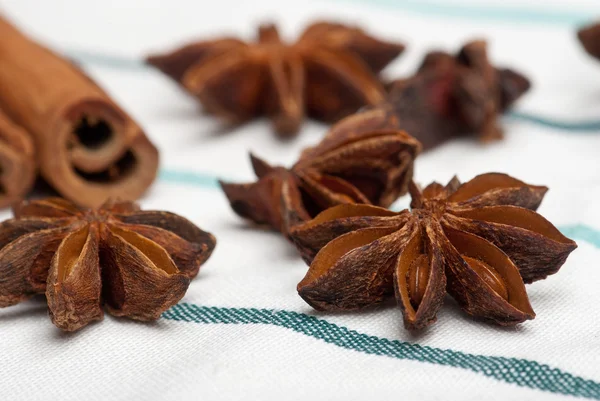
(242, 331)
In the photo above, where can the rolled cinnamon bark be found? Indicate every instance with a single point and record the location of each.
(17, 165)
(87, 148)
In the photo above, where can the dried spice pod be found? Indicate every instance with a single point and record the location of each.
(479, 241)
(589, 37)
(330, 72)
(17, 164)
(347, 166)
(453, 96)
(136, 263)
(87, 148)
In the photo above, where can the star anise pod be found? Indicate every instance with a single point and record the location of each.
(452, 96)
(136, 263)
(589, 37)
(479, 241)
(330, 72)
(349, 165)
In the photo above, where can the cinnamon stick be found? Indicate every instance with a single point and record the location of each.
(87, 147)
(17, 164)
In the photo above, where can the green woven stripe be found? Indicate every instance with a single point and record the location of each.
(473, 11)
(582, 232)
(521, 372)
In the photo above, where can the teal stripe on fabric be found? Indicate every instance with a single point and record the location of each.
(522, 372)
(540, 15)
(582, 232)
(186, 177)
(105, 60)
(580, 126)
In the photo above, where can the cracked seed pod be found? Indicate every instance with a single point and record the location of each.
(479, 241)
(330, 72)
(350, 165)
(136, 263)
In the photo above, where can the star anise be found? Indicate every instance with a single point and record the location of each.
(479, 241)
(136, 263)
(453, 96)
(349, 165)
(330, 72)
(590, 39)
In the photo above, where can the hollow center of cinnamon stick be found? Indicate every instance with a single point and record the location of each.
(115, 172)
(92, 133)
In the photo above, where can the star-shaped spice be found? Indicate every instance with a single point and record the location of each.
(349, 165)
(136, 263)
(330, 72)
(589, 37)
(453, 96)
(479, 241)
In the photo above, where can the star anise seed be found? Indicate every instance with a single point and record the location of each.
(136, 263)
(347, 166)
(452, 96)
(330, 72)
(479, 241)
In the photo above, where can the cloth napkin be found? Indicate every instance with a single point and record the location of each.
(242, 332)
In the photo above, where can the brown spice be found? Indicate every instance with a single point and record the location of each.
(349, 165)
(137, 263)
(479, 241)
(87, 148)
(452, 96)
(17, 165)
(589, 37)
(328, 73)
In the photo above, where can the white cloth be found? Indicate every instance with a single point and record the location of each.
(242, 332)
